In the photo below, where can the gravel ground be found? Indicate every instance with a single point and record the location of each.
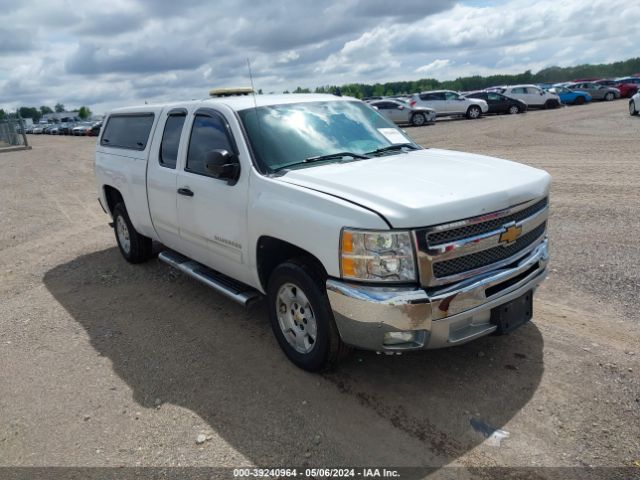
(110, 364)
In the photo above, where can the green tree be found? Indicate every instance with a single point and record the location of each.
(30, 112)
(59, 108)
(84, 112)
(44, 110)
(2, 114)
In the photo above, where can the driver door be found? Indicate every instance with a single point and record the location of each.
(212, 212)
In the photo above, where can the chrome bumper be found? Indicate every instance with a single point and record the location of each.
(441, 317)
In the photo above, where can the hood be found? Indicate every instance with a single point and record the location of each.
(426, 187)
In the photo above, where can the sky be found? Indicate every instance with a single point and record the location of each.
(107, 54)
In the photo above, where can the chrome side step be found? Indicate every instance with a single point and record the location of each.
(230, 288)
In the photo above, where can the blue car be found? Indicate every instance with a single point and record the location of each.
(570, 97)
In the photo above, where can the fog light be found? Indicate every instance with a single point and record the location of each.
(396, 338)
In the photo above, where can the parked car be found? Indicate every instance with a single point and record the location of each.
(37, 129)
(354, 234)
(570, 97)
(54, 130)
(499, 103)
(449, 103)
(95, 129)
(633, 79)
(597, 92)
(533, 96)
(627, 89)
(82, 129)
(402, 113)
(47, 128)
(634, 104)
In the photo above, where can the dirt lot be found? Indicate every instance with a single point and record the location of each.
(107, 364)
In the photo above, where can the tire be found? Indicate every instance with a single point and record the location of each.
(609, 96)
(134, 247)
(632, 108)
(513, 109)
(297, 299)
(474, 112)
(418, 119)
(579, 100)
(549, 104)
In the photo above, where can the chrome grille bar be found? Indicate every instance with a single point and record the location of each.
(445, 257)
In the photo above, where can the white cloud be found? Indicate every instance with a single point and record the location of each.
(126, 51)
(433, 67)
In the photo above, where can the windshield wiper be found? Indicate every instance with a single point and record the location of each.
(390, 148)
(320, 158)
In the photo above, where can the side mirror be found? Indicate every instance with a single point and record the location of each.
(221, 164)
(400, 107)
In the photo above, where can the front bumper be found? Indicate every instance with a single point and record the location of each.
(440, 317)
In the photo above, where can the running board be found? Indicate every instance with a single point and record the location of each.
(230, 288)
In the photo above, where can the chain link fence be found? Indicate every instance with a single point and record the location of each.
(12, 133)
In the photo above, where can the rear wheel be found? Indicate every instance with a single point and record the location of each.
(632, 108)
(609, 96)
(513, 109)
(134, 247)
(474, 112)
(418, 119)
(301, 317)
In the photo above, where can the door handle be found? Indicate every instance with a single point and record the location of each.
(186, 192)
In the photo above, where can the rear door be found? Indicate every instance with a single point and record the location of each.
(212, 212)
(435, 100)
(162, 176)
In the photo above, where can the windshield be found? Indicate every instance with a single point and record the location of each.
(288, 134)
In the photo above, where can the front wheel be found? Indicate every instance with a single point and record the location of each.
(632, 108)
(579, 100)
(609, 96)
(301, 317)
(418, 119)
(513, 109)
(474, 112)
(134, 247)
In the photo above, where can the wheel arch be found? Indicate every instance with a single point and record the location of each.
(112, 196)
(271, 252)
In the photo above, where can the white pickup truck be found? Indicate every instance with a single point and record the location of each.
(356, 235)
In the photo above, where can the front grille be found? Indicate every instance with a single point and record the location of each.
(438, 238)
(487, 257)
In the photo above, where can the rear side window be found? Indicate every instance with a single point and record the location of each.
(171, 140)
(208, 133)
(432, 96)
(127, 131)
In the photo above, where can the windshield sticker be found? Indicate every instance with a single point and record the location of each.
(393, 135)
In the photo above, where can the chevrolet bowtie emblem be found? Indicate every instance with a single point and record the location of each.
(510, 234)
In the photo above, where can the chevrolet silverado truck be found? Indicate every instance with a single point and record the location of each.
(353, 234)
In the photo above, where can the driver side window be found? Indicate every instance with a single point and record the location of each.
(209, 132)
(451, 96)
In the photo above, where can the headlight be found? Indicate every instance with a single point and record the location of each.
(377, 256)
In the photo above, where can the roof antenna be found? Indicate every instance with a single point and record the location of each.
(255, 102)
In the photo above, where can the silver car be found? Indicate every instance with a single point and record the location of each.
(597, 91)
(450, 103)
(401, 112)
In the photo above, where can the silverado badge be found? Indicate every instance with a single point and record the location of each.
(510, 234)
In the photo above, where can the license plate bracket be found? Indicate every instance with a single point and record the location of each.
(513, 314)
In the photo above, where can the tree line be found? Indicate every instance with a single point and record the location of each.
(478, 82)
(36, 113)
